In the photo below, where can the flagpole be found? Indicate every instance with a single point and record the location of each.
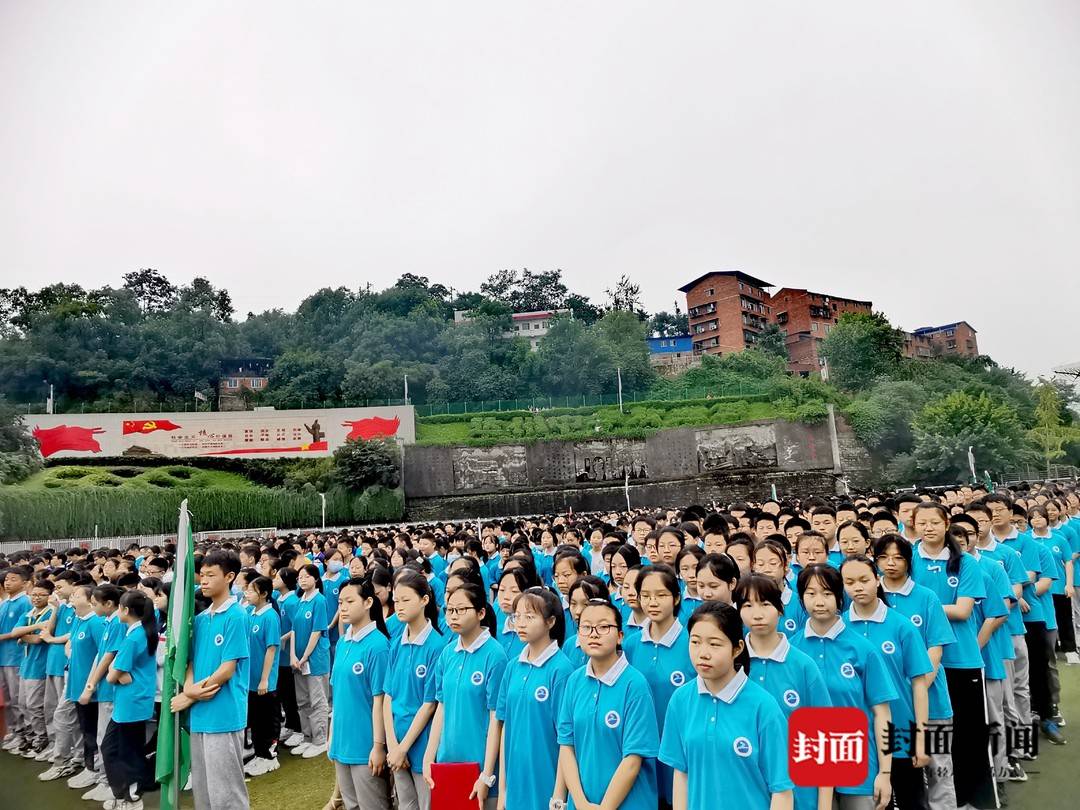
(183, 531)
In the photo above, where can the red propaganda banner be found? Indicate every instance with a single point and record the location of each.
(372, 427)
(828, 747)
(67, 437)
(148, 425)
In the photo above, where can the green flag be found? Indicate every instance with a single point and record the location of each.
(174, 745)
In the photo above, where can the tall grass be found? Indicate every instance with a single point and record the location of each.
(53, 514)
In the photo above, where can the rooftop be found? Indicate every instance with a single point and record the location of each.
(739, 274)
(783, 290)
(927, 330)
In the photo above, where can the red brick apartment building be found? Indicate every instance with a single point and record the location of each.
(727, 310)
(807, 317)
(933, 341)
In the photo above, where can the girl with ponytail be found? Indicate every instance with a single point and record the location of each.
(133, 672)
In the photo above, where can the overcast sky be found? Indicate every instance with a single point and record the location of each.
(922, 155)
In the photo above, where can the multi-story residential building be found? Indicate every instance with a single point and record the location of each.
(727, 311)
(529, 325)
(239, 374)
(671, 355)
(806, 318)
(953, 338)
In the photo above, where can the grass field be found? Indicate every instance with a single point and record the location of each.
(70, 477)
(302, 784)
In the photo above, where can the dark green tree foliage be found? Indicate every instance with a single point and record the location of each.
(359, 464)
(860, 348)
(771, 341)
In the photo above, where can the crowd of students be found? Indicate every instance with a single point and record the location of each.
(642, 660)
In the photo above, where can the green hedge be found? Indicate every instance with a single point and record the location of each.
(117, 512)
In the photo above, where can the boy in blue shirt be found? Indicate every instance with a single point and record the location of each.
(12, 610)
(32, 668)
(216, 690)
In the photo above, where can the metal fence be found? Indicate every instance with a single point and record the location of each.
(1052, 472)
(436, 409)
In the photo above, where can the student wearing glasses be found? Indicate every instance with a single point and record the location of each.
(607, 729)
(467, 679)
(530, 696)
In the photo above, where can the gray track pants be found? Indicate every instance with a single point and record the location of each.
(217, 771)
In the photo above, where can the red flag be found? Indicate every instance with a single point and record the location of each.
(372, 427)
(148, 425)
(67, 437)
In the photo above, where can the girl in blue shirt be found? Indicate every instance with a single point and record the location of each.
(624, 558)
(309, 655)
(717, 576)
(287, 601)
(686, 564)
(771, 559)
(529, 699)
(134, 673)
(786, 673)
(724, 734)
(409, 699)
(357, 735)
(383, 581)
(332, 582)
(467, 679)
(631, 608)
(265, 646)
(940, 565)
(86, 632)
(853, 672)
(581, 593)
(607, 724)
(661, 650)
(511, 585)
(570, 566)
(907, 663)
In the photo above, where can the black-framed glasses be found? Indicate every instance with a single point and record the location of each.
(597, 630)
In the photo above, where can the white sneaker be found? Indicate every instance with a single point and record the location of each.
(83, 779)
(46, 755)
(13, 743)
(260, 766)
(293, 740)
(98, 793)
(53, 773)
(1072, 658)
(313, 751)
(298, 750)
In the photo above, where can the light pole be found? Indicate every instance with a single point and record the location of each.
(322, 497)
(406, 389)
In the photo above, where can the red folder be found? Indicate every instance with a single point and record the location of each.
(453, 783)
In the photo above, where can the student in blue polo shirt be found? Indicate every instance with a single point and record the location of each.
(607, 724)
(724, 734)
(771, 559)
(332, 582)
(686, 563)
(409, 689)
(264, 646)
(784, 672)
(940, 565)
(581, 592)
(511, 585)
(661, 651)
(923, 609)
(427, 546)
(907, 663)
(216, 690)
(357, 735)
(106, 601)
(287, 600)
(60, 713)
(134, 673)
(86, 633)
(309, 655)
(530, 695)
(32, 668)
(12, 610)
(853, 671)
(467, 679)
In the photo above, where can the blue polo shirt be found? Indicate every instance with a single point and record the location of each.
(56, 658)
(606, 720)
(359, 672)
(287, 604)
(795, 682)
(573, 652)
(794, 614)
(110, 643)
(1048, 567)
(32, 667)
(1009, 559)
(134, 701)
(508, 638)
(1057, 542)
(265, 632)
(11, 613)
(310, 617)
(999, 647)
(467, 681)
(902, 651)
(932, 572)
(530, 697)
(923, 609)
(855, 676)
(221, 635)
(332, 585)
(410, 683)
(1029, 555)
(86, 634)
(732, 743)
(666, 665)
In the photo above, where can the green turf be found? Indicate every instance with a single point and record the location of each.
(72, 476)
(305, 784)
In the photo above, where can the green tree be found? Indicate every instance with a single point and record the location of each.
(305, 378)
(624, 335)
(946, 427)
(154, 292)
(1050, 434)
(860, 348)
(573, 359)
(666, 324)
(624, 296)
(359, 464)
(771, 340)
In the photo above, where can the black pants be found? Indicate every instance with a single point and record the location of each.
(908, 786)
(972, 769)
(1038, 668)
(264, 720)
(286, 691)
(88, 726)
(1066, 634)
(123, 752)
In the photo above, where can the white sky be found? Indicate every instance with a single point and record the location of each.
(921, 155)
